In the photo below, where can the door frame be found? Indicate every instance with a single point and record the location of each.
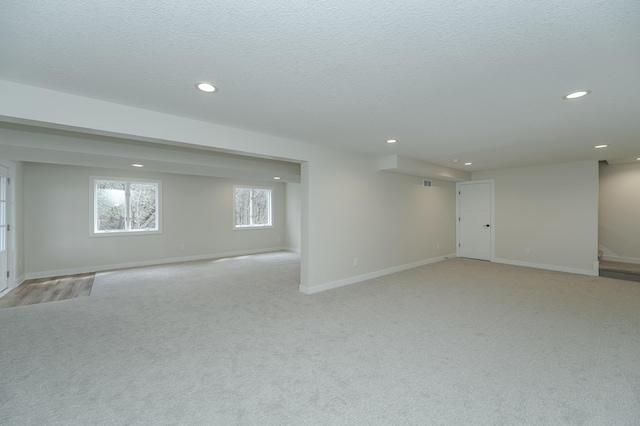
(13, 280)
(491, 183)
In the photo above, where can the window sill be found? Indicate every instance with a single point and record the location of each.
(251, 228)
(123, 233)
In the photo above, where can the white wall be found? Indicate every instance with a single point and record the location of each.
(197, 212)
(349, 208)
(552, 210)
(619, 222)
(384, 220)
(38, 145)
(293, 217)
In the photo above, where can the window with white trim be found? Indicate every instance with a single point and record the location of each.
(125, 206)
(252, 207)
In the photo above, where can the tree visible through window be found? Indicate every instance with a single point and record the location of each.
(252, 207)
(124, 206)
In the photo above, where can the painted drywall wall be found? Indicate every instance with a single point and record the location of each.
(39, 145)
(197, 221)
(349, 208)
(293, 217)
(375, 220)
(619, 220)
(24, 104)
(551, 210)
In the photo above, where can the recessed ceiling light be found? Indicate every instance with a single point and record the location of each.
(206, 87)
(576, 95)
(137, 165)
(638, 158)
(600, 146)
(276, 178)
(468, 164)
(392, 141)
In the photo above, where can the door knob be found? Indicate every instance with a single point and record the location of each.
(487, 225)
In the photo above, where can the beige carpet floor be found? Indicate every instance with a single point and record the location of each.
(233, 342)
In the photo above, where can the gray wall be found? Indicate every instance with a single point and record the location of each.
(384, 220)
(619, 223)
(293, 217)
(552, 210)
(349, 208)
(197, 212)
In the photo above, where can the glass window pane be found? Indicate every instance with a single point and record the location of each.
(260, 201)
(243, 207)
(110, 206)
(144, 206)
(252, 207)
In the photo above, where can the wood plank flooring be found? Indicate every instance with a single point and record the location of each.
(620, 266)
(620, 270)
(48, 290)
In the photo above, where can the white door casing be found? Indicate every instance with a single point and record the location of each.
(4, 240)
(474, 201)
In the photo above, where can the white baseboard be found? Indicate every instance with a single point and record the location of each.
(592, 272)
(370, 275)
(621, 259)
(100, 268)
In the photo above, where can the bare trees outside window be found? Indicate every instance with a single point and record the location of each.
(125, 206)
(252, 207)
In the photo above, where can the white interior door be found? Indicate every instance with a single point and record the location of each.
(4, 264)
(474, 220)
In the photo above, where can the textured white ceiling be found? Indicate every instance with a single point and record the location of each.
(474, 80)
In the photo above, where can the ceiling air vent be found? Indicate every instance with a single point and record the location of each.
(426, 182)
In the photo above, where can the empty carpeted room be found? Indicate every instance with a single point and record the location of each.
(325, 213)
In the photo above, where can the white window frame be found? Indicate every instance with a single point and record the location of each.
(248, 227)
(127, 181)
